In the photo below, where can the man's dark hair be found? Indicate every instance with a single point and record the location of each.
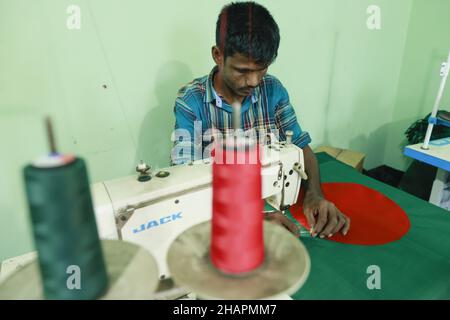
(249, 29)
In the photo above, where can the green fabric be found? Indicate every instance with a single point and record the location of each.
(415, 267)
(65, 231)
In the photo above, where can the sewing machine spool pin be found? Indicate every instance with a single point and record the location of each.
(144, 171)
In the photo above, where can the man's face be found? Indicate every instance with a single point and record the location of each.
(241, 74)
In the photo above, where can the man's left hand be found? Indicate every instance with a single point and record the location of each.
(324, 217)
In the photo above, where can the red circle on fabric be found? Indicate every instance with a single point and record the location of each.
(375, 219)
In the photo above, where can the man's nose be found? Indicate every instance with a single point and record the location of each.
(253, 80)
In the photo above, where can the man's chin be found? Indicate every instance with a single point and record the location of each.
(244, 93)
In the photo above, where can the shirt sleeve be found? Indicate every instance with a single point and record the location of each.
(287, 120)
(184, 135)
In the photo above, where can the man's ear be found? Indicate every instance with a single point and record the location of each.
(217, 56)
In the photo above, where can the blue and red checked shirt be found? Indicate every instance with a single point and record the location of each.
(199, 111)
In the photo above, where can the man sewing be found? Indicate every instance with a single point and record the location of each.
(247, 40)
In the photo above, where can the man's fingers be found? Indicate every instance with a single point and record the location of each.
(346, 227)
(309, 214)
(331, 224)
(326, 219)
(321, 221)
(340, 224)
(340, 221)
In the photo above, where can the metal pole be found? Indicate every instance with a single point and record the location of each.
(444, 75)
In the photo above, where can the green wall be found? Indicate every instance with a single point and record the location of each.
(110, 86)
(427, 46)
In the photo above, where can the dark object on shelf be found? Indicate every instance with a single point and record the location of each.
(444, 115)
(418, 178)
(416, 132)
(386, 174)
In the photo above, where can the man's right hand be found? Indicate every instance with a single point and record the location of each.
(280, 219)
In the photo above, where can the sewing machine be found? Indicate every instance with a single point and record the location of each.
(152, 209)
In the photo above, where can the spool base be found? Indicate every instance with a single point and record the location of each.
(285, 269)
(132, 274)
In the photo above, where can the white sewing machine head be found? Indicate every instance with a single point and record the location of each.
(154, 212)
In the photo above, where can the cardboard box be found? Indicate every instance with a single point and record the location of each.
(354, 159)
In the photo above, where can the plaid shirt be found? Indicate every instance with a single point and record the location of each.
(201, 112)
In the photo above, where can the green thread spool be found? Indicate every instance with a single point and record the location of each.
(65, 231)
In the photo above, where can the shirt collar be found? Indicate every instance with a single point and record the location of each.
(212, 96)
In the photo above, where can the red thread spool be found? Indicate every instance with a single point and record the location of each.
(237, 243)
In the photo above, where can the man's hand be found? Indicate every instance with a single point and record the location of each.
(282, 220)
(324, 218)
